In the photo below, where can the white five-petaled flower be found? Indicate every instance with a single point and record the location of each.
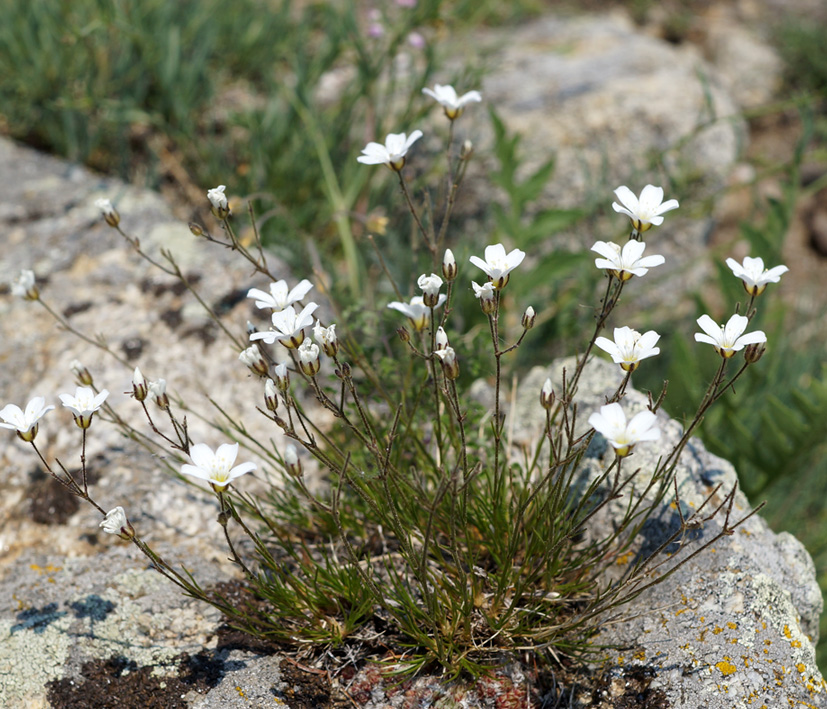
(730, 338)
(416, 311)
(452, 104)
(611, 423)
(646, 210)
(218, 201)
(753, 274)
(485, 294)
(216, 468)
(498, 265)
(279, 297)
(288, 327)
(24, 286)
(392, 153)
(629, 347)
(623, 263)
(25, 422)
(84, 404)
(115, 522)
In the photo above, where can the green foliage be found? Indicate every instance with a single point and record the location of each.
(801, 43)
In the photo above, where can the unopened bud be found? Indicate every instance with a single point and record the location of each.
(467, 150)
(196, 229)
(291, 461)
(403, 333)
(448, 358)
(547, 395)
(309, 358)
(271, 396)
(110, 214)
(327, 337)
(84, 375)
(754, 352)
(529, 316)
(449, 265)
(115, 522)
(282, 377)
(344, 371)
(441, 339)
(218, 202)
(139, 385)
(24, 286)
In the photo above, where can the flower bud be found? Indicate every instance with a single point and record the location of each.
(430, 286)
(158, 392)
(449, 265)
(139, 385)
(344, 371)
(218, 202)
(115, 522)
(448, 358)
(110, 214)
(84, 375)
(282, 377)
(271, 396)
(196, 229)
(547, 395)
(327, 336)
(529, 316)
(754, 352)
(441, 339)
(467, 150)
(309, 357)
(403, 333)
(291, 461)
(253, 359)
(24, 286)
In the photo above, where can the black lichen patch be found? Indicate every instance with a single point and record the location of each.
(133, 347)
(229, 301)
(76, 308)
(37, 619)
(308, 689)
(630, 691)
(93, 607)
(172, 318)
(117, 682)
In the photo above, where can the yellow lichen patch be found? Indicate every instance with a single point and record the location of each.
(787, 633)
(725, 666)
(732, 626)
(682, 610)
(717, 629)
(795, 643)
(702, 636)
(623, 559)
(801, 667)
(240, 692)
(640, 655)
(620, 660)
(48, 569)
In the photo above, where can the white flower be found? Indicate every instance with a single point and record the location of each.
(498, 264)
(448, 357)
(84, 404)
(115, 522)
(251, 357)
(753, 274)
(430, 286)
(446, 96)
(216, 468)
(611, 423)
(24, 286)
(109, 213)
(392, 153)
(279, 298)
(416, 310)
(308, 352)
(25, 422)
(485, 294)
(645, 211)
(288, 326)
(626, 262)
(327, 336)
(158, 393)
(629, 347)
(730, 338)
(218, 200)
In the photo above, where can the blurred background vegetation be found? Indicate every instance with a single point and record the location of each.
(275, 98)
